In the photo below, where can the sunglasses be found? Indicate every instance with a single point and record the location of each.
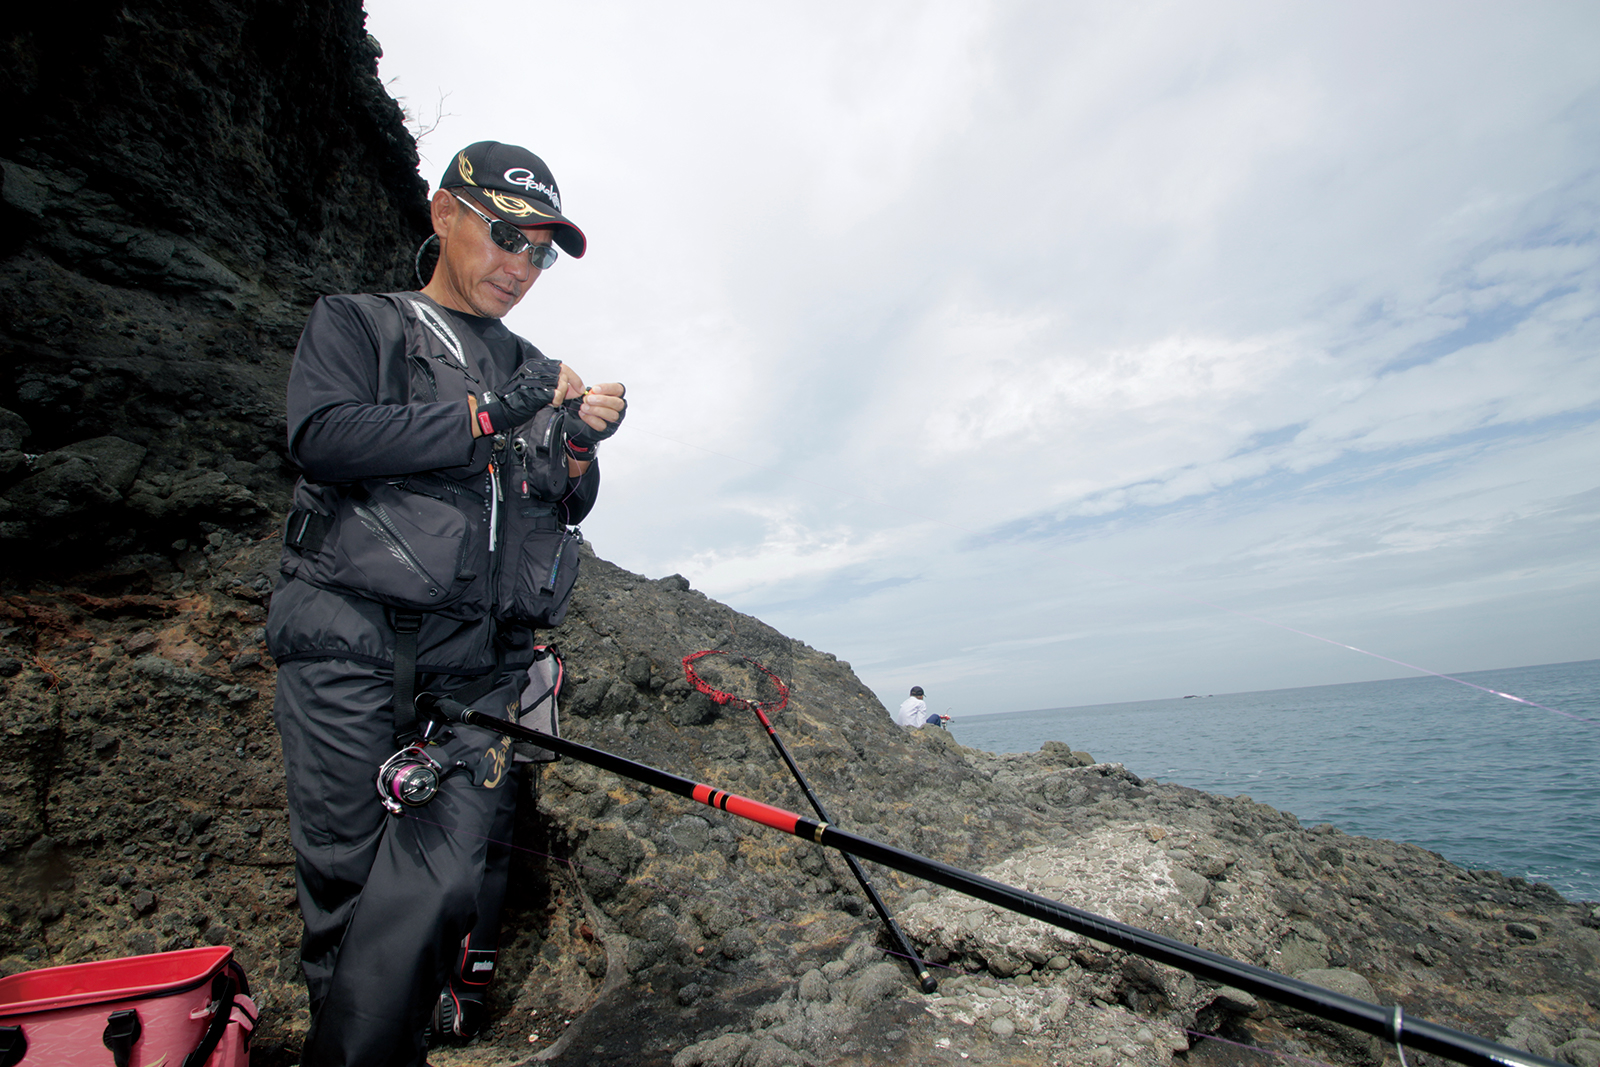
(513, 240)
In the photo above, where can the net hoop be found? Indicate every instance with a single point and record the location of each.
(728, 699)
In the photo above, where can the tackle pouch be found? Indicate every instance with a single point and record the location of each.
(190, 1008)
(538, 464)
(540, 566)
(406, 548)
(539, 554)
(538, 704)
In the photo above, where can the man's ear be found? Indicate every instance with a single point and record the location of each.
(444, 210)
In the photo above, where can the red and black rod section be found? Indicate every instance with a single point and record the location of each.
(1384, 1022)
(925, 979)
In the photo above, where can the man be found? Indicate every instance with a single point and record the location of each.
(913, 712)
(421, 551)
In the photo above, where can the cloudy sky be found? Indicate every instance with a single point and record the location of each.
(1052, 354)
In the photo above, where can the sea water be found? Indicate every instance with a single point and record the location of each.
(1482, 780)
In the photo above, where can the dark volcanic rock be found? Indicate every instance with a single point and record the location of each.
(178, 182)
(145, 811)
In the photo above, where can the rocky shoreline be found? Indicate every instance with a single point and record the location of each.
(175, 197)
(146, 813)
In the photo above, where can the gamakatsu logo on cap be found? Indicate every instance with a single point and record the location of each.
(523, 177)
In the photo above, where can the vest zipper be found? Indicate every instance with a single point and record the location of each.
(494, 508)
(383, 526)
(568, 533)
(421, 485)
(494, 525)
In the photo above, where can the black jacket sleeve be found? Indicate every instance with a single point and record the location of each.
(348, 418)
(581, 496)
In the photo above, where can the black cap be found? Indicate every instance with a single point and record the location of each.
(916, 690)
(515, 184)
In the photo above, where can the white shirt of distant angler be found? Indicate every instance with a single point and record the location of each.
(913, 710)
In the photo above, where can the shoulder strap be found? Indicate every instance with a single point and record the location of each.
(431, 317)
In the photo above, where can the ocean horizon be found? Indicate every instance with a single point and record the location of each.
(1488, 783)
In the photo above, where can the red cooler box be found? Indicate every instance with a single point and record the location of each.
(173, 1009)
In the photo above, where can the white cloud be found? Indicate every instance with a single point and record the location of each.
(1058, 331)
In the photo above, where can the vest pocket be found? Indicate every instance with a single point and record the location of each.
(405, 549)
(540, 565)
(539, 457)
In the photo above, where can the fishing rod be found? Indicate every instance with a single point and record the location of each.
(1390, 1023)
(925, 979)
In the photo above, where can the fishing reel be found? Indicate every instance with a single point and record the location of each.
(411, 778)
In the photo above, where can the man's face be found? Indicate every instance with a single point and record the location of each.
(474, 274)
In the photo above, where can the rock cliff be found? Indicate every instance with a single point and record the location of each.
(179, 181)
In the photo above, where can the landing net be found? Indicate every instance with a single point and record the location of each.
(725, 678)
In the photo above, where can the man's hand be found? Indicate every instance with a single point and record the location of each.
(535, 387)
(570, 386)
(599, 413)
(602, 408)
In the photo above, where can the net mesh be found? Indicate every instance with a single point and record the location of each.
(728, 675)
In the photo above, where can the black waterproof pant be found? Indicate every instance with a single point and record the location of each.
(386, 899)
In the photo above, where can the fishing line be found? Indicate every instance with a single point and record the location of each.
(837, 493)
(1340, 644)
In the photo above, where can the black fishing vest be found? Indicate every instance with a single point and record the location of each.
(464, 543)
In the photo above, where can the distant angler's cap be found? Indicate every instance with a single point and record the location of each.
(916, 690)
(515, 184)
